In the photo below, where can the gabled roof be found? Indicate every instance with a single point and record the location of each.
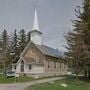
(46, 50)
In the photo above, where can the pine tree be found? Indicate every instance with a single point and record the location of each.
(22, 40)
(14, 46)
(5, 49)
(81, 34)
(74, 54)
(83, 27)
(86, 33)
(28, 37)
(1, 56)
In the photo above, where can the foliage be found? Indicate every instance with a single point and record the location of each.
(28, 37)
(22, 40)
(12, 46)
(78, 40)
(5, 49)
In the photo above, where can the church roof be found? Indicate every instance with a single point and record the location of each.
(46, 50)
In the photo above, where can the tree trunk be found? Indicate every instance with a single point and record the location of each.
(89, 74)
(4, 69)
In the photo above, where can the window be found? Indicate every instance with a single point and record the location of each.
(22, 62)
(39, 61)
(30, 66)
(15, 67)
(60, 64)
(54, 64)
(31, 49)
(64, 65)
(22, 66)
(48, 65)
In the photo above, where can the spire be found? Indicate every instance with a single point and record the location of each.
(36, 33)
(36, 23)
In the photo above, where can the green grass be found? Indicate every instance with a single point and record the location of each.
(21, 79)
(72, 85)
(4, 79)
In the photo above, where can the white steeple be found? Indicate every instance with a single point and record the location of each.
(36, 23)
(36, 33)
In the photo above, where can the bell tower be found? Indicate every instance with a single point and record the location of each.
(36, 33)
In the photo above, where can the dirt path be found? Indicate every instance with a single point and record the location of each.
(22, 86)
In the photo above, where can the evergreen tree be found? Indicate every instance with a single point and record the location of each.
(1, 56)
(28, 37)
(5, 49)
(22, 40)
(83, 28)
(86, 34)
(14, 46)
(74, 54)
(81, 35)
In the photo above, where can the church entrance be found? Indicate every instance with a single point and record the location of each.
(22, 66)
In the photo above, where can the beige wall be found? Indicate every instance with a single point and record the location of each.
(18, 67)
(33, 52)
(52, 70)
(34, 68)
(38, 70)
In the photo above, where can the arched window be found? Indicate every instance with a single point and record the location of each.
(22, 62)
(22, 66)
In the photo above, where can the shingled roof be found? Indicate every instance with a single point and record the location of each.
(46, 50)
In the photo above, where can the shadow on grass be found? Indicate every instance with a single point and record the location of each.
(80, 78)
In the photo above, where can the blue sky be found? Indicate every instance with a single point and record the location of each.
(54, 18)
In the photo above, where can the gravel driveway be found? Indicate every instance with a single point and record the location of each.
(22, 86)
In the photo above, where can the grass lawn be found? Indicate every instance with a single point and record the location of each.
(72, 84)
(4, 79)
(21, 79)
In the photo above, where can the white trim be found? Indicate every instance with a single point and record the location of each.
(35, 23)
(21, 58)
(25, 48)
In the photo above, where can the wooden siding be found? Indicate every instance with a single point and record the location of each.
(60, 69)
(33, 52)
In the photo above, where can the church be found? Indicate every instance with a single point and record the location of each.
(38, 60)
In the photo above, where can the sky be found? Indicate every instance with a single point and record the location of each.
(54, 18)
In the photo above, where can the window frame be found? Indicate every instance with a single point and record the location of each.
(48, 64)
(60, 64)
(29, 66)
(54, 64)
